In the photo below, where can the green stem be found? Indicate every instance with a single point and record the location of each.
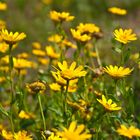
(11, 86)
(122, 55)
(98, 57)
(41, 110)
(65, 99)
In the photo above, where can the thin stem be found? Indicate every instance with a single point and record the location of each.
(11, 86)
(41, 110)
(98, 57)
(65, 99)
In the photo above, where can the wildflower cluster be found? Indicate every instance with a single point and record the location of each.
(65, 87)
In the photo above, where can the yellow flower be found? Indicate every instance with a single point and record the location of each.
(74, 132)
(36, 45)
(66, 43)
(108, 104)
(3, 6)
(25, 115)
(88, 28)
(117, 72)
(39, 53)
(36, 87)
(117, 11)
(7, 135)
(22, 135)
(43, 61)
(72, 72)
(2, 24)
(1, 127)
(4, 47)
(2, 79)
(124, 36)
(60, 17)
(55, 38)
(51, 53)
(20, 63)
(79, 36)
(53, 137)
(10, 37)
(23, 55)
(93, 54)
(128, 132)
(55, 86)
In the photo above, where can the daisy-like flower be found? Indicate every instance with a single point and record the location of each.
(7, 135)
(117, 11)
(79, 36)
(36, 87)
(129, 132)
(70, 73)
(74, 132)
(10, 37)
(117, 72)
(124, 36)
(88, 28)
(60, 17)
(108, 104)
(22, 135)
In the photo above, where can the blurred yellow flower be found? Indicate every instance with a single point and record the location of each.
(129, 132)
(108, 104)
(60, 17)
(25, 115)
(2, 79)
(36, 45)
(88, 28)
(93, 54)
(39, 53)
(10, 37)
(66, 43)
(3, 47)
(79, 36)
(47, 2)
(2, 24)
(56, 38)
(22, 135)
(117, 11)
(117, 72)
(3, 6)
(23, 55)
(51, 53)
(7, 135)
(72, 72)
(124, 36)
(43, 61)
(36, 87)
(74, 132)
(20, 63)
